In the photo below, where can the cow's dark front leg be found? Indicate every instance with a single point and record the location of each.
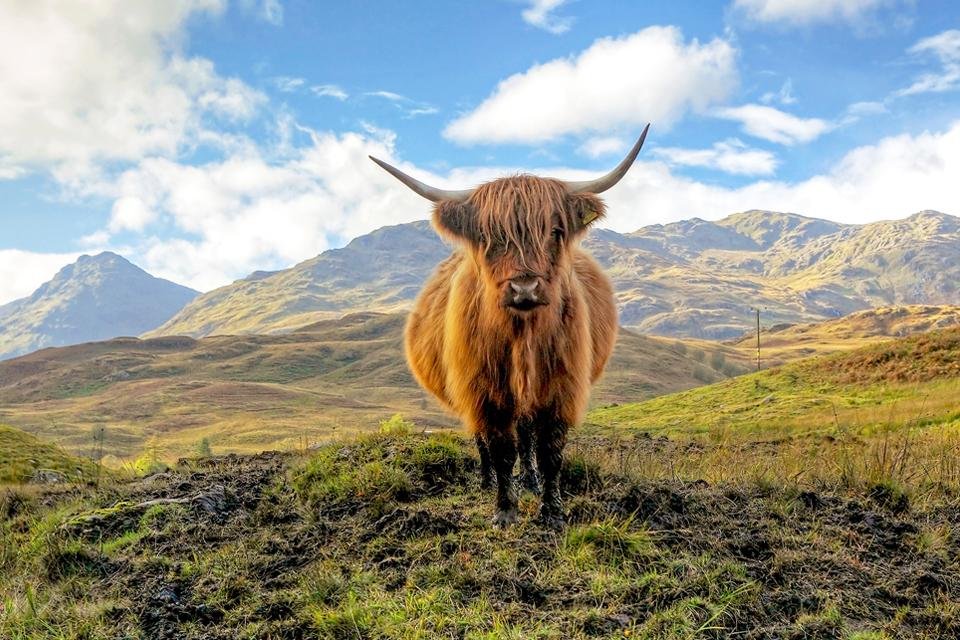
(487, 475)
(503, 454)
(551, 438)
(526, 440)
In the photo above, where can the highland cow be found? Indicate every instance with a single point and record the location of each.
(513, 328)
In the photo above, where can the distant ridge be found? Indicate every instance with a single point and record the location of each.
(693, 278)
(95, 298)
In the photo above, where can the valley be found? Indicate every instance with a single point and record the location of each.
(279, 391)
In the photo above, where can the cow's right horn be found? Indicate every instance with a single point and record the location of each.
(430, 193)
(599, 185)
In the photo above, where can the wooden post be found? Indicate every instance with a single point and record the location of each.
(758, 338)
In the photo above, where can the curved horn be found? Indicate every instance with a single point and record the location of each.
(602, 184)
(430, 193)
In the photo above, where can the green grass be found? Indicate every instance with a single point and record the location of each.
(22, 455)
(892, 386)
(387, 536)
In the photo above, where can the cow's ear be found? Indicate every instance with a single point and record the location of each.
(456, 220)
(585, 209)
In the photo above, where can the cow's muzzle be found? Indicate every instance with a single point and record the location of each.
(524, 294)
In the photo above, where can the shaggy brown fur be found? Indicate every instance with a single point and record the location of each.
(503, 368)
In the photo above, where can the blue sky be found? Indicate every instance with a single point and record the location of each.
(205, 139)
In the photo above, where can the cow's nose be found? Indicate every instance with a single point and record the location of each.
(525, 287)
(525, 294)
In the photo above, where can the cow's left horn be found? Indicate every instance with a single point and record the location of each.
(430, 193)
(602, 184)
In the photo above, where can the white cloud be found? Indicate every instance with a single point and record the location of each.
(421, 111)
(288, 84)
(602, 146)
(783, 96)
(730, 156)
(130, 212)
(106, 81)
(387, 95)
(248, 212)
(540, 14)
(866, 108)
(21, 272)
(8, 170)
(649, 76)
(895, 177)
(245, 213)
(946, 48)
(805, 12)
(329, 90)
(774, 125)
(411, 108)
(270, 11)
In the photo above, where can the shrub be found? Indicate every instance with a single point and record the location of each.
(396, 426)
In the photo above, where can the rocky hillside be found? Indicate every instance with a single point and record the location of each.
(692, 278)
(381, 271)
(96, 297)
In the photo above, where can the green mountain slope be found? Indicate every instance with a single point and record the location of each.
(23, 455)
(692, 278)
(97, 297)
(897, 384)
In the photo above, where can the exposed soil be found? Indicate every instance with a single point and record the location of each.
(798, 564)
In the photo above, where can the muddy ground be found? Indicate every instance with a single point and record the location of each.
(390, 538)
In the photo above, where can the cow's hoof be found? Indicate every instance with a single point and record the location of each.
(503, 518)
(553, 520)
(530, 482)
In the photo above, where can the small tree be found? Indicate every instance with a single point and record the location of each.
(397, 426)
(99, 433)
(703, 374)
(717, 360)
(203, 448)
(150, 463)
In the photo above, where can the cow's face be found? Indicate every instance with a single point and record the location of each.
(520, 231)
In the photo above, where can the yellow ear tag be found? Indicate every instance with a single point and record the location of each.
(589, 216)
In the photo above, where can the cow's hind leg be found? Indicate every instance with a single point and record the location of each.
(487, 475)
(526, 440)
(551, 439)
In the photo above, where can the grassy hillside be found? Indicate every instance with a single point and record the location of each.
(22, 455)
(388, 537)
(897, 384)
(817, 500)
(693, 278)
(784, 343)
(249, 393)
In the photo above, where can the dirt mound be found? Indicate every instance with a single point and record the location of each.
(389, 537)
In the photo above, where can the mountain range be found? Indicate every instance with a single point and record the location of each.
(95, 298)
(693, 278)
